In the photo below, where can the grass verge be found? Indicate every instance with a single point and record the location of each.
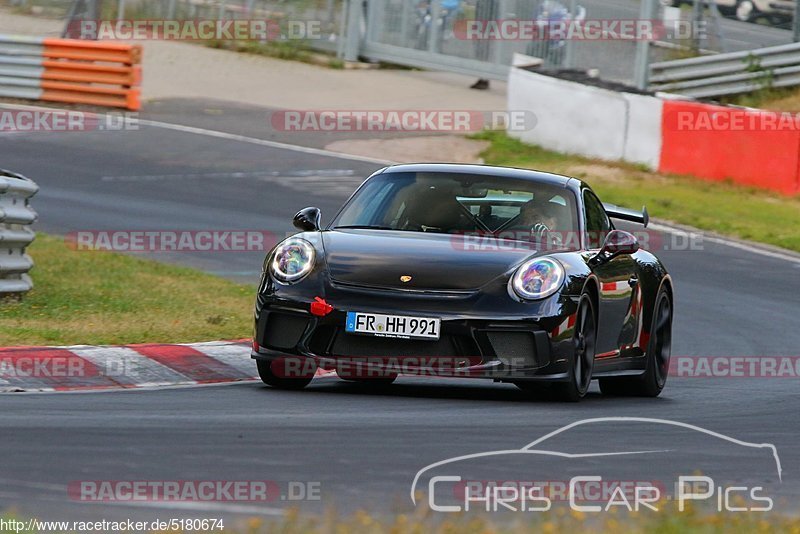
(95, 297)
(770, 98)
(720, 207)
(552, 522)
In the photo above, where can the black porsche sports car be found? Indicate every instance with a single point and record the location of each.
(467, 271)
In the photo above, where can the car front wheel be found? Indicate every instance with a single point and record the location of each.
(582, 363)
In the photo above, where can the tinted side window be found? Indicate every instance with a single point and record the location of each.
(597, 223)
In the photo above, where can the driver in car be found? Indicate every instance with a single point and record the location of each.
(541, 217)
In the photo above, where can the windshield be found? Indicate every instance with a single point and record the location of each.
(461, 203)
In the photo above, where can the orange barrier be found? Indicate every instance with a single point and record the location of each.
(92, 51)
(91, 72)
(89, 94)
(755, 148)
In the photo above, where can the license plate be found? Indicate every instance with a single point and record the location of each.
(396, 326)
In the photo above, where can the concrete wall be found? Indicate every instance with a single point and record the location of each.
(643, 139)
(581, 119)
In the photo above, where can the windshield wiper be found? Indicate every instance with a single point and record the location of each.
(363, 227)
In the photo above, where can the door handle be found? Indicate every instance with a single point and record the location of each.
(633, 280)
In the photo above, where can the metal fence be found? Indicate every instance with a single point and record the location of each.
(424, 33)
(16, 216)
(432, 34)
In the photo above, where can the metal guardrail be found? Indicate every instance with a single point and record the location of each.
(728, 74)
(16, 216)
(70, 70)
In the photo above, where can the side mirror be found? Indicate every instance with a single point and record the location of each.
(308, 219)
(617, 242)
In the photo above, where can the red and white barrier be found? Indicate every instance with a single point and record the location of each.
(748, 147)
(84, 367)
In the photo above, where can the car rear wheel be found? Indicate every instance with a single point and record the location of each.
(659, 350)
(277, 374)
(582, 364)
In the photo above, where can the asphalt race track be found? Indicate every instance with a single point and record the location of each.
(363, 446)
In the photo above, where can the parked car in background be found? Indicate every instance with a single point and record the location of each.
(775, 11)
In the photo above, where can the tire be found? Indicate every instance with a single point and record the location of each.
(582, 362)
(267, 374)
(746, 11)
(659, 349)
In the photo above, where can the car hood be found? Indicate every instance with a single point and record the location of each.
(379, 258)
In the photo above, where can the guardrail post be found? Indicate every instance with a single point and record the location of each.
(434, 31)
(569, 52)
(405, 20)
(355, 11)
(642, 65)
(16, 216)
(796, 22)
(501, 46)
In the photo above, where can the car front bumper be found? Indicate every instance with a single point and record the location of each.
(481, 336)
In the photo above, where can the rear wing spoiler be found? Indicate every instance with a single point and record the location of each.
(625, 214)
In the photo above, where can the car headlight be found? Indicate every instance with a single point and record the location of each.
(292, 260)
(538, 278)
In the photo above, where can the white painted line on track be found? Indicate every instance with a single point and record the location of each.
(223, 135)
(262, 142)
(747, 246)
(321, 174)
